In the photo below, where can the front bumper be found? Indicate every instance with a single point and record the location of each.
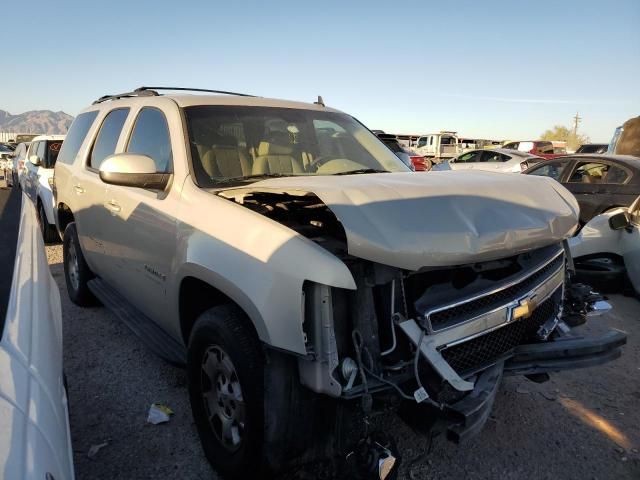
(469, 415)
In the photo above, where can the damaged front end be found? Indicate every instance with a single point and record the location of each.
(446, 337)
(438, 338)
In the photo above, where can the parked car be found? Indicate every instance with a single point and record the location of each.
(5, 151)
(38, 181)
(410, 158)
(35, 442)
(540, 148)
(18, 163)
(599, 182)
(495, 160)
(296, 265)
(593, 148)
(607, 246)
(438, 146)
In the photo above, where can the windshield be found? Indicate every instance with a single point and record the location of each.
(232, 144)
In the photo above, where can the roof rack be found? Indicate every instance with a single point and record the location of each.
(152, 92)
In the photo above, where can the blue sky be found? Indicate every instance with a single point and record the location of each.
(496, 69)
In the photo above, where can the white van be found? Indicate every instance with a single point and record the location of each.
(439, 146)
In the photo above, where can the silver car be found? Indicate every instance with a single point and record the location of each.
(493, 160)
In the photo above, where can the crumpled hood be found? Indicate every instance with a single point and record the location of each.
(435, 219)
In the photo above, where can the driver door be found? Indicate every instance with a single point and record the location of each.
(466, 161)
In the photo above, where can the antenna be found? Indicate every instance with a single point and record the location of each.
(319, 101)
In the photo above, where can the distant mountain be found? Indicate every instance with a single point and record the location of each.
(35, 121)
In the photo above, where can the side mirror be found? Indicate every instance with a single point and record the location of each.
(619, 221)
(132, 170)
(35, 159)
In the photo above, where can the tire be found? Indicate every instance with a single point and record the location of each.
(76, 271)
(49, 232)
(233, 382)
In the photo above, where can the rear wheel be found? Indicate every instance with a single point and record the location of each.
(76, 271)
(245, 403)
(49, 233)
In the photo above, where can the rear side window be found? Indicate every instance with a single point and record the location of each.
(75, 137)
(151, 137)
(107, 139)
(545, 147)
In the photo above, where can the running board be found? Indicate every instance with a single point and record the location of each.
(156, 339)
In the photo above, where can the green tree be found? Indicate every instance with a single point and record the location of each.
(564, 134)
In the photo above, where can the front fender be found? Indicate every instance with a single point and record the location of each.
(261, 265)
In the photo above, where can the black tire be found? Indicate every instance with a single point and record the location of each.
(76, 277)
(273, 429)
(49, 232)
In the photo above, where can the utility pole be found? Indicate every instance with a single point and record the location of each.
(576, 120)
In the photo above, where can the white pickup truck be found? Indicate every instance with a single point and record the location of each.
(35, 443)
(438, 146)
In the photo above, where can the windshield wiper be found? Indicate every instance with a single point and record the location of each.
(257, 176)
(362, 170)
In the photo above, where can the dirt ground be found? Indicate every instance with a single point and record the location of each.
(580, 425)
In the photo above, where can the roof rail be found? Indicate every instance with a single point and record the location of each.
(136, 93)
(185, 89)
(152, 92)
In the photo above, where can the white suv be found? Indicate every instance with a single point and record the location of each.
(37, 180)
(299, 269)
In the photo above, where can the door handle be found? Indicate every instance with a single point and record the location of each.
(79, 189)
(113, 206)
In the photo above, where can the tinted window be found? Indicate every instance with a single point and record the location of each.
(422, 142)
(52, 150)
(107, 139)
(75, 137)
(151, 137)
(595, 172)
(494, 157)
(550, 169)
(511, 146)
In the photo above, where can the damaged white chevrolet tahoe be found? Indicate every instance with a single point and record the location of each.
(306, 277)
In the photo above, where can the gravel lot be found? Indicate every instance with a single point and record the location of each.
(581, 425)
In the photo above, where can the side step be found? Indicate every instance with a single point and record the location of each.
(156, 339)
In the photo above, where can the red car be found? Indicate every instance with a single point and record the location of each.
(541, 148)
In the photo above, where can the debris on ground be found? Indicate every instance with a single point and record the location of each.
(159, 413)
(93, 451)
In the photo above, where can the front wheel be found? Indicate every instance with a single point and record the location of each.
(245, 402)
(76, 271)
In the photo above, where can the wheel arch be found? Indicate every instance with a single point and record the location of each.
(199, 291)
(64, 217)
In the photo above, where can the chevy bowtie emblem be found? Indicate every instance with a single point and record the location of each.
(524, 309)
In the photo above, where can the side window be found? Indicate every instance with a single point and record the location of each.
(550, 169)
(107, 139)
(492, 157)
(545, 147)
(511, 146)
(598, 173)
(51, 156)
(150, 137)
(75, 137)
(422, 142)
(469, 157)
(431, 140)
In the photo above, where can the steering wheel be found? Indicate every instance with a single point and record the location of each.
(318, 162)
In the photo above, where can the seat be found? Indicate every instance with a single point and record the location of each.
(225, 159)
(275, 156)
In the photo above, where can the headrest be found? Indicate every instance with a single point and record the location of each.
(266, 148)
(277, 143)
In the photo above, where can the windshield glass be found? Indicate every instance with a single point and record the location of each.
(232, 144)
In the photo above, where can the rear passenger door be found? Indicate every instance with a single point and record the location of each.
(467, 160)
(139, 234)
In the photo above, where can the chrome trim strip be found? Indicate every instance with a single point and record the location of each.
(497, 289)
(497, 318)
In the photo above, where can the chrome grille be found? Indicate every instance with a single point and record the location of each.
(448, 317)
